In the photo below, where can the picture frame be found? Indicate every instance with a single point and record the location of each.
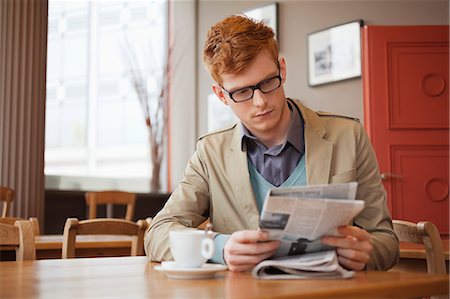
(334, 54)
(266, 13)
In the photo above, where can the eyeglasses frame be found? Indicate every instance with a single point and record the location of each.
(254, 87)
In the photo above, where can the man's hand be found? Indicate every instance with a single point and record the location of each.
(246, 248)
(353, 247)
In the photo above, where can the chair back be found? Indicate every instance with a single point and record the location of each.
(34, 223)
(103, 226)
(6, 196)
(111, 197)
(426, 233)
(21, 236)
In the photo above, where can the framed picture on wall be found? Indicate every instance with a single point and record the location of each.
(334, 53)
(267, 13)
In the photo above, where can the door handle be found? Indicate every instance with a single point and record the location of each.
(388, 175)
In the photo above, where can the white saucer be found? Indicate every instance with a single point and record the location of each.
(206, 271)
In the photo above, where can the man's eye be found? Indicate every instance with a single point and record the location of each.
(267, 82)
(242, 92)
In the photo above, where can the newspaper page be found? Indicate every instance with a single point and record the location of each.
(317, 265)
(300, 216)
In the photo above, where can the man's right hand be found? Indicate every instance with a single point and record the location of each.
(246, 248)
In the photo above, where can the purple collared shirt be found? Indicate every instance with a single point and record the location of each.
(277, 163)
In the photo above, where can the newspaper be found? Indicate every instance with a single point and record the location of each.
(300, 216)
(317, 265)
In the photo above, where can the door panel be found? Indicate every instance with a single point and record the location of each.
(417, 85)
(424, 178)
(406, 114)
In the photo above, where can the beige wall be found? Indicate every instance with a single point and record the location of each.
(184, 88)
(297, 19)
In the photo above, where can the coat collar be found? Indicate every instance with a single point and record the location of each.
(318, 150)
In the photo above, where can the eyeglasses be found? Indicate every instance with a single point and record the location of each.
(246, 93)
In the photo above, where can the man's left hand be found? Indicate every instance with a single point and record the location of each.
(353, 247)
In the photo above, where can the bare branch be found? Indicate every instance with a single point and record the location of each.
(155, 106)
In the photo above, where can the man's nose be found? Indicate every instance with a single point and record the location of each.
(259, 98)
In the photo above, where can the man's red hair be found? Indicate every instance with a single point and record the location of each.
(234, 42)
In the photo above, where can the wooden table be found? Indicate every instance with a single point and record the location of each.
(417, 251)
(50, 246)
(413, 257)
(134, 277)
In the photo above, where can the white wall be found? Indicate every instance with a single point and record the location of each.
(296, 19)
(184, 88)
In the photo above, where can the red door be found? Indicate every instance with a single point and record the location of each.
(406, 113)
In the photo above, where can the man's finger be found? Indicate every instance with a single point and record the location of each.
(344, 242)
(237, 260)
(354, 255)
(354, 231)
(250, 236)
(253, 248)
(240, 268)
(350, 264)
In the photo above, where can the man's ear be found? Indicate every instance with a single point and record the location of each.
(282, 63)
(219, 93)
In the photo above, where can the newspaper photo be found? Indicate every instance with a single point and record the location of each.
(300, 216)
(318, 265)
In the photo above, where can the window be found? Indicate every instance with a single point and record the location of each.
(95, 127)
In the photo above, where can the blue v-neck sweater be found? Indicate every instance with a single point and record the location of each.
(260, 187)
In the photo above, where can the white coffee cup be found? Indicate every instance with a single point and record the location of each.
(190, 248)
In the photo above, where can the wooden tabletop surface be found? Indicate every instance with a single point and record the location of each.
(134, 277)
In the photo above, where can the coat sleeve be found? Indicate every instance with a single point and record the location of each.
(187, 207)
(375, 217)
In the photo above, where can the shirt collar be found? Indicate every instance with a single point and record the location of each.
(294, 135)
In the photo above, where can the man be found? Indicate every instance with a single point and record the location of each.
(278, 142)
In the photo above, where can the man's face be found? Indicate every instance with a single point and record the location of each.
(263, 113)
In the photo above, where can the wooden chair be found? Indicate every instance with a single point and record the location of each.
(111, 197)
(103, 226)
(6, 196)
(21, 236)
(34, 223)
(426, 233)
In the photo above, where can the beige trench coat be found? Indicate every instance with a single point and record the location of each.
(216, 183)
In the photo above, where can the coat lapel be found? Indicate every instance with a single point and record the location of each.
(319, 151)
(240, 180)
